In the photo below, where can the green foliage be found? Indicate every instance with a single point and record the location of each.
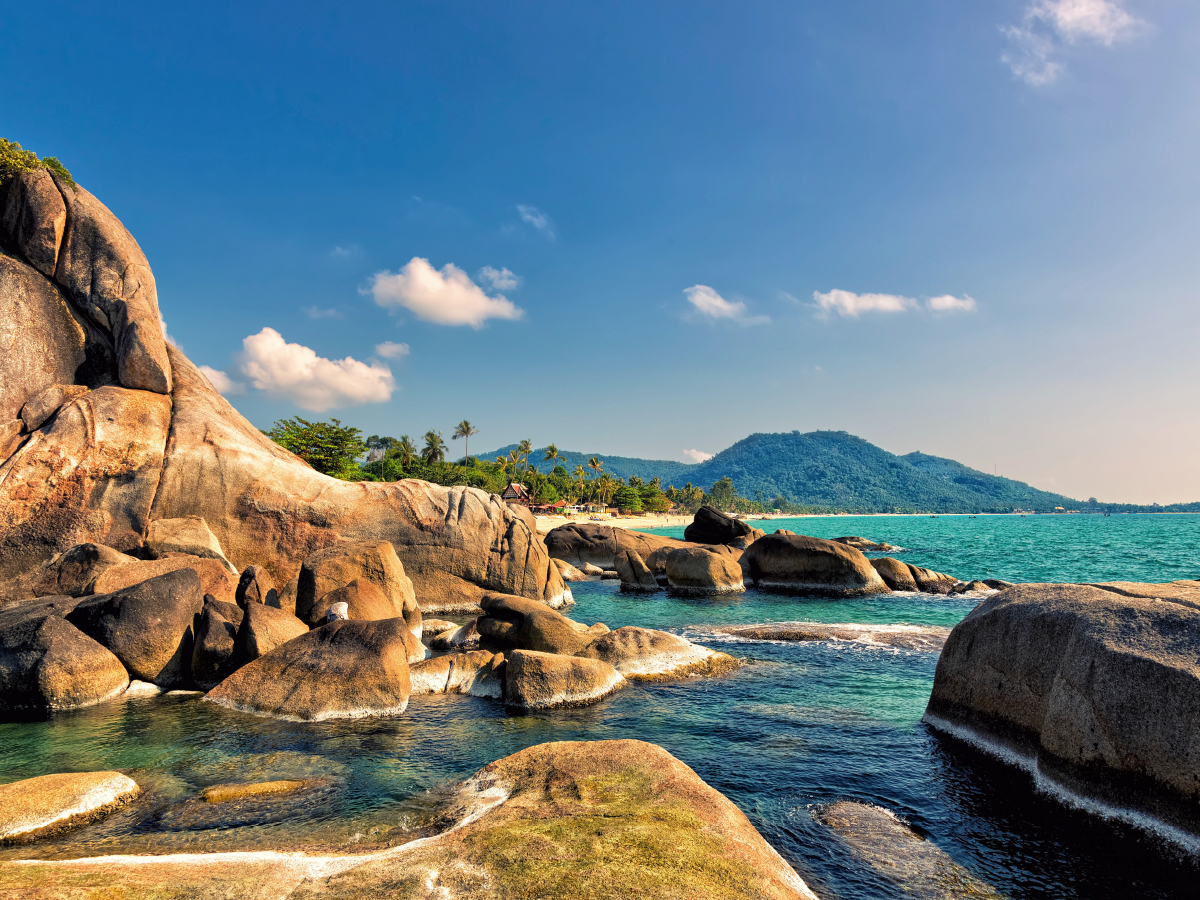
(627, 499)
(13, 160)
(329, 447)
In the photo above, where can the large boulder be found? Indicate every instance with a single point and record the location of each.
(536, 680)
(149, 626)
(798, 564)
(598, 545)
(33, 219)
(895, 574)
(1095, 690)
(215, 579)
(213, 656)
(699, 570)
(373, 562)
(37, 807)
(711, 526)
(343, 670)
(647, 655)
(635, 576)
(510, 621)
(39, 409)
(263, 629)
(256, 586)
(479, 673)
(190, 535)
(567, 571)
(931, 582)
(47, 664)
(72, 573)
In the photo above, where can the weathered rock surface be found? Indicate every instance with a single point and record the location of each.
(33, 219)
(903, 637)
(1098, 691)
(479, 673)
(263, 629)
(256, 586)
(71, 573)
(190, 535)
(536, 680)
(518, 622)
(36, 807)
(567, 571)
(557, 821)
(598, 545)
(46, 663)
(462, 637)
(148, 626)
(634, 574)
(711, 526)
(39, 408)
(895, 574)
(861, 543)
(800, 564)
(931, 582)
(215, 579)
(345, 669)
(213, 656)
(699, 570)
(647, 655)
(371, 561)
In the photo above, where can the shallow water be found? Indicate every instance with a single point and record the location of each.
(801, 725)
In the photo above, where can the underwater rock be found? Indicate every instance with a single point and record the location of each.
(902, 637)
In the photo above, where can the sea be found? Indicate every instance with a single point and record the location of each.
(798, 727)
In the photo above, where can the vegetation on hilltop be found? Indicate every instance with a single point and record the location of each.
(13, 160)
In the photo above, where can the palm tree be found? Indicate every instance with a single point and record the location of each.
(606, 487)
(552, 455)
(595, 465)
(514, 461)
(525, 448)
(435, 447)
(405, 450)
(502, 462)
(464, 430)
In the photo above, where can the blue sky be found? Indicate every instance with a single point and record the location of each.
(971, 229)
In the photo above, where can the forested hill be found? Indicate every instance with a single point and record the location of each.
(836, 470)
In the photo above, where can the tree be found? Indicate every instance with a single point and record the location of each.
(595, 465)
(551, 455)
(723, 494)
(329, 447)
(605, 487)
(523, 450)
(435, 448)
(627, 499)
(464, 430)
(404, 450)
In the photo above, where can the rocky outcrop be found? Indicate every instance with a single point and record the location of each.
(1096, 690)
(342, 670)
(931, 582)
(33, 219)
(567, 571)
(895, 574)
(459, 638)
(635, 576)
(256, 586)
(646, 655)
(71, 573)
(866, 546)
(213, 656)
(598, 545)
(149, 626)
(215, 579)
(264, 628)
(697, 570)
(39, 409)
(37, 807)
(479, 673)
(798, 564)
(372, 563)
(711, 526)
(536, 680)
(518, 622)
(190, 535)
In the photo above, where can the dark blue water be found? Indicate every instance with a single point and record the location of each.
(798, 726)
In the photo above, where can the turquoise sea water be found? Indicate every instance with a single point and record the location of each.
(798, 726)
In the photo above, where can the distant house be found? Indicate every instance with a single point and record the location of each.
(516, 493)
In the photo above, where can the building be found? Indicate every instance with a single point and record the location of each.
(516, 493)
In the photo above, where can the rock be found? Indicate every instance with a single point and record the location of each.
(931, 582)
(914, 865)
(700, 571)
(463, 637)
(263, 629)
(537, 680)
(256, 586)
(47, 664)
(12, 436)
(148, 626)
(33, 219)
(783, 531)
(224, 793)
(518, 622)
(567, 571)
(903, 637)
(711, 526)
(1096, 691)
(610, 575)
(635, 576)
(104, 272)
(37, 807)
(338, 611)
(647, 655)
(861, 543)
(141, 689)
(190, 535)
(895, 574)
(40, 408)
(996, 584)
(431, 628)
(598, 545)
(213, 656)
(215, 579)
(796, 563)
(479, 673)
(346, 669)
(969, 586)
(589, 569)
(371, 561)
(74, 571)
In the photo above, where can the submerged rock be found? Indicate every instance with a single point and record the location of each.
(799, 564)
(902, 637)
(866, 546)
(37, 807)
(547, 680)
(648, 655)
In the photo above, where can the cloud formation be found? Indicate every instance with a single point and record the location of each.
(501, 279)
(852, 305)
(295, 372)
(391, 350)
(315, 312)
(1049, 25)
(712, 305)
(533, 216)
(222, 382)
(162, 323)
(697, 456)
(448, 297)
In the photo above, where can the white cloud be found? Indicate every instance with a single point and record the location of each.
(347, 252)
(448, 297)
(391, 350)
(1048, 25)
(848, 303)
(697, 456)
(531, 215)
(312, 382)
(315, 312)
(222, 382)
(162, 323)
(709, 303)
(948, 304)
(501, 279)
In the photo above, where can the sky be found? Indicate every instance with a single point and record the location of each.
(651, 229)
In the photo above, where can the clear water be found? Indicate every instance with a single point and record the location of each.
(799, 726)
